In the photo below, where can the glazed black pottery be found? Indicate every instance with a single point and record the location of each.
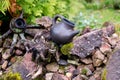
(62, 32)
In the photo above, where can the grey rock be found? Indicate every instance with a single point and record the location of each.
(70, 68)
(113, 67)
(109, 28)
(73, 62)
(44, 21)
(114, 39)
(7, 43)
(76, 72)
(4, 65)
(98, 55)
(77, 78)
(7, 54)
(105, 48)
(18, 52)
(59, 77)
(89, 72)
(69, 75)
(97, 62)
(1, 72)
(97, 75)
(86, 60)
(25, 66)
(1, 42)
(91, 67)
(84, 77)
(92, 78)
(39, 72)
(22, 70)
(84, 45)
(105, 60)
(32, 32)
(52, 67)
(62, 62)
(48, 76)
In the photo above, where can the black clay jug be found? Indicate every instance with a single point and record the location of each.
(62, 32)
(18, 25)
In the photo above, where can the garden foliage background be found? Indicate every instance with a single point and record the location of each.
(92, 13)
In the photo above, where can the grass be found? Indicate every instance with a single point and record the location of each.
(111, 16)
(104, 15)
(101, 16)
(108, 15)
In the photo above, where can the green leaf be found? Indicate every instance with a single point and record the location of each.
(29, 1)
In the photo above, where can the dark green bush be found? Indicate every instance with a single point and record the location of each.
(116, 4)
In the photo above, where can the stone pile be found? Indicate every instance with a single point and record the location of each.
(90, 67)
(93, 50)
(87, 59)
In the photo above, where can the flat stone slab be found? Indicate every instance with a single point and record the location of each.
(86, 44)
(113, 67)
(25, 66)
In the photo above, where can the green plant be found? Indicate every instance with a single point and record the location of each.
(93, 5)
(108, 3)
(112, 4)
(4, 5)
(100, 4)
(38, 8)
(103, 76)
(117, 29)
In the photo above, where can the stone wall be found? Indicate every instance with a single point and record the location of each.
(86, 59)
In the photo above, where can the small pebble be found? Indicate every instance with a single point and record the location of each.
(62, 62)
(48, 76)
(6, 55)
(76, 72)
(18, 52)
(4, 65)
(1, 73)
(69, 74)
(52, 67)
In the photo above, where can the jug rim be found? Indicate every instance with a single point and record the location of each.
(68, 22)
(20, 23)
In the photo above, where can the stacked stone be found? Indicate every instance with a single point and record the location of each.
(8, 58)
(94, 49)
(91, 52)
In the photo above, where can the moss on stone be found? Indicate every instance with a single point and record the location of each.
(12, 76)
(103, 75)
(66, 48)
(84, 71)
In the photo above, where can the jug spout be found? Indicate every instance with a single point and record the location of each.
(74, 33)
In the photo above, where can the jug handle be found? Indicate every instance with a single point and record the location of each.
(21, 15)
(56, 17)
